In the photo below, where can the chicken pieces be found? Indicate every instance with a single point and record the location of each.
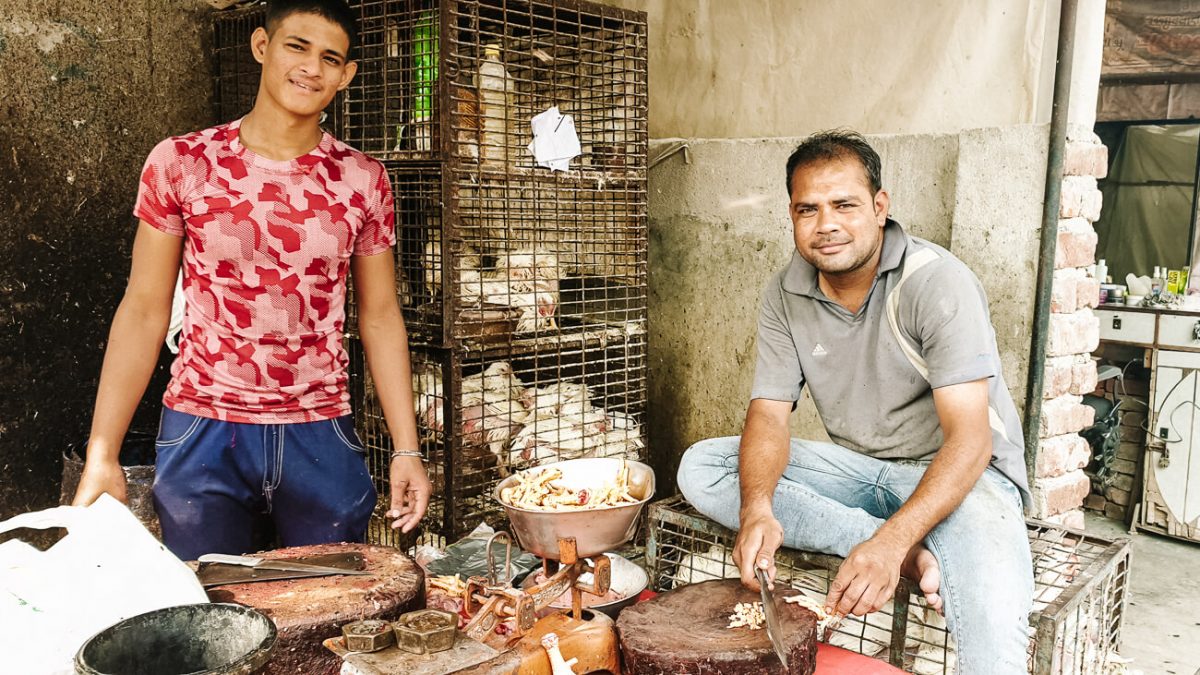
(825, 620)
(539, 491)
(747, 615)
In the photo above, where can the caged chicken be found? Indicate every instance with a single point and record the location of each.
(469, 260)
(526, 280)
(562, 423)
(491, 405)
(492, 410)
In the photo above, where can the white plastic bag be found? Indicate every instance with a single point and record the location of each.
(107, 568)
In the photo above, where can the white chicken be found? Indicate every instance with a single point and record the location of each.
(492, 409)
(531, 279)
(525, 281)
(469, 263)
(524, 266)
(526, 426)
(428, 397)
(562, 423)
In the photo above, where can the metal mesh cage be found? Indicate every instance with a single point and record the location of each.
(512, 411)
(524, 289)
(494, 64)
(1075, 628)
(417, 192)
(372, 430)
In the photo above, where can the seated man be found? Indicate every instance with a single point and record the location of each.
(926, 475)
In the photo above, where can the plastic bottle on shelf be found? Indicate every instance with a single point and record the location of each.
(1156, 282)
(495, 102)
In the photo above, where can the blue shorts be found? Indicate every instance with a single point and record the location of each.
(217, 484)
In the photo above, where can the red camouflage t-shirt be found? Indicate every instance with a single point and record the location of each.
(267, 247)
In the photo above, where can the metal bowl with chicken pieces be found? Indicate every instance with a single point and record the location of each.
(601, 527)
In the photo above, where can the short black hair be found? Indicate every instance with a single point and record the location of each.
(336, 11)
(832, 144)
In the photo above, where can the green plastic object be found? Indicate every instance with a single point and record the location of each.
(425, 64)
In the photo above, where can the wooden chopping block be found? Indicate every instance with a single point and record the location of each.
(307, 611)
(685, 631)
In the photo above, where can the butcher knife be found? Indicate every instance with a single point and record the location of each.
(773, 628)
(300, 568)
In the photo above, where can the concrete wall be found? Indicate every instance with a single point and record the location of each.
(781, 68)
(719, 229)
(89, 87)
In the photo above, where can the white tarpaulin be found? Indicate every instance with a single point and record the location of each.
(107, 568)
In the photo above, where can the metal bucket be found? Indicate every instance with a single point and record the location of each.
(137, 462)
(203, 639)
(595, 530)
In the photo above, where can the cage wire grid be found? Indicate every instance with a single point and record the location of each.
(524, 290)
(1080, 584)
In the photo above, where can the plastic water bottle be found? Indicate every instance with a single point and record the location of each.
(495, 100)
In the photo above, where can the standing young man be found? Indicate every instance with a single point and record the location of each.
(925, 477)
(268, 215)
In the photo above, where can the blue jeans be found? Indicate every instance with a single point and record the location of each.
(216, 482)
(830, 499)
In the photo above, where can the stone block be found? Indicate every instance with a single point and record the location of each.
(1080, 198)
(1114, 511)
(1129, 451)
(1094, 502)
(1083, 377)
(1087, 292)
(1064, 415)
(1122, 482)
(1059, 377)
(1117, 496)
(1083, 158)
(1076, 245)
(1061, 454)
(1077, 333)
(1123, 466)
(1060, 494)
(1063, 298)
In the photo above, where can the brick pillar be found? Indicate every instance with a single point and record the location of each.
(1060, 485)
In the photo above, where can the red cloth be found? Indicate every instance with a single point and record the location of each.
(645, 595)
(837, 661)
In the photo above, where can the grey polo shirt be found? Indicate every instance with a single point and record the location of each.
(924, 324)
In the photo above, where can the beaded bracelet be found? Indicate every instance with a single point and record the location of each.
(406, 453)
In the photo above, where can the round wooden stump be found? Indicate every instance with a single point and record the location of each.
(307, 611)
(685, 631)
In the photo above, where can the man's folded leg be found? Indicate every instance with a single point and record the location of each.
(827, 500)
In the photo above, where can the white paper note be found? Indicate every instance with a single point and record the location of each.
(555, 142)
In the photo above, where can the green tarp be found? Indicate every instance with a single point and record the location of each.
(1146, 219)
